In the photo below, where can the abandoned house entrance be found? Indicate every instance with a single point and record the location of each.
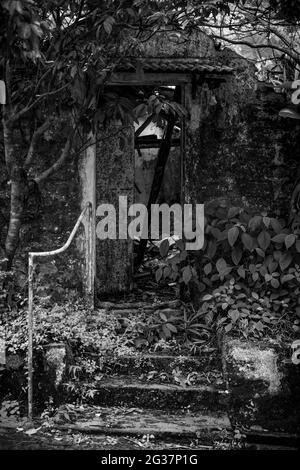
(142, 163)
(174, 90)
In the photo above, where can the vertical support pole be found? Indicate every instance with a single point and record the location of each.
(182, 148)
(90, 253)
(88, 241)
(89, 286)
(87, 174)
(93, 249)
(30, 335)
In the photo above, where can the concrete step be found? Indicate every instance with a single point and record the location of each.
(137, 364)
(133, 392)
(125, 308)
(141, 422)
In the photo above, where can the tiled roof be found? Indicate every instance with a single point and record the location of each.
(173, 65)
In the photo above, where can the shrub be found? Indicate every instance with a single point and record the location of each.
(255, 253)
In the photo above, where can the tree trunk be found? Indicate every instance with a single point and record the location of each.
(18, 187)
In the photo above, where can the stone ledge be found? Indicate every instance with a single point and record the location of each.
(263, 389)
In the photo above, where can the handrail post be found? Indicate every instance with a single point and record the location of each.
(92, 252)
(30, 336)
(89, 261)
(89, 282)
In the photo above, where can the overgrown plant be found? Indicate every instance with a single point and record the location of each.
(236, 309)
(56, 58)
(246, 257)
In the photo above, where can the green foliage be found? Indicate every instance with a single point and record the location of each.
(11, 290)
(69, 323)
(75, 46)
(287, 9)
(235, 308)
(131, 106)
(25, 28)
(181, 377)
(57, 280)
(256, 249)
(157, 105)
(159, 326)
(244, 251)
(59, 55)
(168, 324)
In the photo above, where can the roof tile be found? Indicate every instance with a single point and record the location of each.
(174, 65)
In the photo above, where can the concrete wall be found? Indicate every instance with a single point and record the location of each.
(114, 178)
(237, 147)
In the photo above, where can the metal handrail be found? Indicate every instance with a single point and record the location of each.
(32, 256)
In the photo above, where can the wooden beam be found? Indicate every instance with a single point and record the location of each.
(153, 144)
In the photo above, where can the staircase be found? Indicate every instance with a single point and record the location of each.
(178, 398)
(172, 396)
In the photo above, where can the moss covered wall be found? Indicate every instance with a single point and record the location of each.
(237, 147)
(49, 227)
(114, 178)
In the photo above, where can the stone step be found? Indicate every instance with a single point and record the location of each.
(206, 364)
(267, 438)
(172, 305)
(141, 422)
(126, 391)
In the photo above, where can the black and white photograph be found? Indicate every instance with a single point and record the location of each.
(150, 229)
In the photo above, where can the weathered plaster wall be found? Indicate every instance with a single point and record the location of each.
(114, 178)
(86, 244)
(237, 147)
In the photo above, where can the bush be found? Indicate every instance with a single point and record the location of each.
(70, 323)
(246, 256)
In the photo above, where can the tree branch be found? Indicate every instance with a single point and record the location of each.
(37, 133)
(59, 163)
(37, 101)
(295, 57)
